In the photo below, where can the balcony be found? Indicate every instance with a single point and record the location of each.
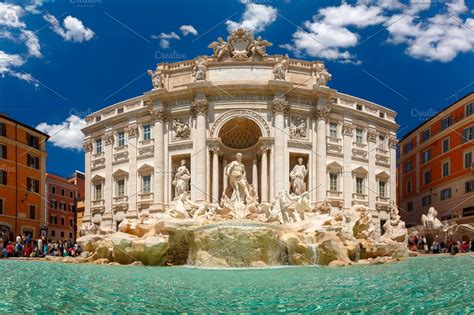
(121, 148)
(382, 203)
(358, 145)
(360, 199)
(146, 151)
(334, 144)
(120, 199)
(97, 206)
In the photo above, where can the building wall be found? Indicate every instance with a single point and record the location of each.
(17, 199)
(459, 173)
(61, 222)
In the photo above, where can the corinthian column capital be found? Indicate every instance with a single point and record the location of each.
(280, 105)
(159, 114)
(200, 106)
(321, 112)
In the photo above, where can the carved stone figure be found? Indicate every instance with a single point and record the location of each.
(322, 77)
(156, 78)
(181, 180)
(199, 69)
(298, 129)
(220, 48)
(279, 70)
(297, 175)
(430, 220)
(181, 130)
(394, 229)
(235, 172)
(259, 46)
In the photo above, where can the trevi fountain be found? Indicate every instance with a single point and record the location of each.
(242, 159)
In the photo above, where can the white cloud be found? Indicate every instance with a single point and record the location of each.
(66, 135)
(33, 6)
(8, 64)
(438, 38)
(188, 29)
(32, 43)
(256, 17)
(328, 35)
(165, 38)
(10, 15)
(73, 29)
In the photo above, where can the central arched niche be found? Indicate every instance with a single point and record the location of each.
(240, 133)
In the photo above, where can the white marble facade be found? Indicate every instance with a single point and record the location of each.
(272, 109)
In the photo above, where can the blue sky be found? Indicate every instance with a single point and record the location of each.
(61, 60)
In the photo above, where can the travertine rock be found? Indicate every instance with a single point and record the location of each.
(331, 248)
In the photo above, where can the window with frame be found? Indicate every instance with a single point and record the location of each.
(53, 189)
(62, 234)
(32, 161)
(408, 186)
(62, 221)
(3, 152)
(3, 130)
(445, 145)
(426, 200)
(468, 159)
(468, 134)
(469, 186)
(121, 138)
(408, 166)
(445, 169)
(3, 177)
(120, 187)
(333, 181)
(469, 109)
(98, 146)
(426, 156)
(382, 188)
(359, 107)
(425, 135)
(63, 192)
(427, 177)
(359, 185)
(32, 141)
(146, 132)
(32, 212)
(98, 192)
(71, 194)
(381, 114)
(410, 206)
(2, 205)
(359, 137)
(146, 184)
(445, 194)
(408, 147)
(32, 184)
(333, 130)
(446, 122)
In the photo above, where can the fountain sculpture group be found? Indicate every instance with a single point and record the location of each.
(241, 232)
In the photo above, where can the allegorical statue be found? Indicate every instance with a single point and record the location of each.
(279, 70)
(156, 78)
(322, 76)
(181, 180)
(221, 48)
(180, 130)
(199, 69)
(235, 172)
(297, 175)
(259, 47)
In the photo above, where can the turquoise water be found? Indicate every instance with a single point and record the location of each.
(417, 285)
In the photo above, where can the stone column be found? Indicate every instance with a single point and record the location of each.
(280, 107)
(109, 181)
(264, 175)
(215, 174)
(87, 187)
(158, 116)
(132, 162)
(272, 174)
(224, 177)
(167, 174)
(393, 169)
(198, 189)
(255, 174)
(313, 182)
(320, 115)
(371, 180)
(347, 188)
(208, 177)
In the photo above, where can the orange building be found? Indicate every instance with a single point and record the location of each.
(78, 179)
(22, 178)
(61, 197)
(435, 165)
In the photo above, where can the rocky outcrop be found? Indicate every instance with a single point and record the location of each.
(337, 239)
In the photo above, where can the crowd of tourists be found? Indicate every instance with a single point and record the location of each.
(450, 246)
(24, 246)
